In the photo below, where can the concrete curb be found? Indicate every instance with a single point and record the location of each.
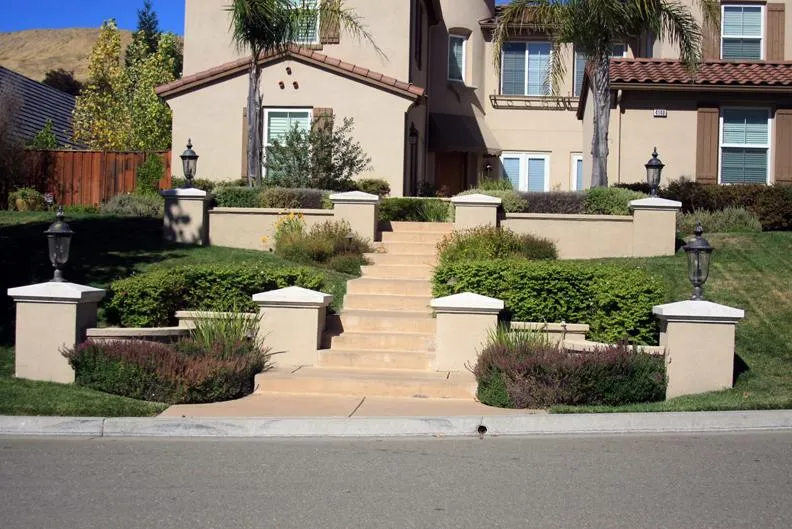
(527, 425)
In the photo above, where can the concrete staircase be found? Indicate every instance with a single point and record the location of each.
(383, 342)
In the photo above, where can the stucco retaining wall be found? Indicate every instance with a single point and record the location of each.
(254, 228)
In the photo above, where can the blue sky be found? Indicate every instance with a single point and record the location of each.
(45, 14)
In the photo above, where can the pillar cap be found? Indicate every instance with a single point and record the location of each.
(293, 297)
(655, 203)
(698, 311)
(186, 194)
(53, 292)
(467, 303)
(476, 199)
(354, 197)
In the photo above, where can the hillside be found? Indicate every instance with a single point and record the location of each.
(34, 52)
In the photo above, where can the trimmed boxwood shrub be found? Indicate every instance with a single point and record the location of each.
(237, 197)
(610, 200)
(375, 186)
(558, 202)
(490, 242)
(291, 198)
(615, 301)
(414, 210)
(151, 299)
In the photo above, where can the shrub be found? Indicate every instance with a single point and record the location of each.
(26, 199)
(151, 299)
(525, 371)
(734, 220)
(512, 201)
(81, 209)
(489, 242)
(375, 186)
(237, 197)
(198, 183)
(323, 244)
(610, 200)
(558, 202)
(134, 206)
(640, 187)
(411, 209)
(495, 184)
(615, 301)
(149, 174)
(45, 139)
(435, 211)
(290, 198)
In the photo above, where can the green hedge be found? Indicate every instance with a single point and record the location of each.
(610, 200)
(151, 299)
(490, 242)
(271, 197)
(414, 210)
(616, 302)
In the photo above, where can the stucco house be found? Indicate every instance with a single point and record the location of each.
(433, 107)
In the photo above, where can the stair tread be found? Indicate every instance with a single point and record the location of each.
(374, 313)
(386, 333)
(377, 351)
(363, 373)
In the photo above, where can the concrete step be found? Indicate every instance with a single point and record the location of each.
(387, 321)
(368, 382)
(392, 341)
(386, 302)
(416, 248)
(401, 259)
(376, 359)
(412, 236)
(435, 227)
(406, 287)
(397, 271)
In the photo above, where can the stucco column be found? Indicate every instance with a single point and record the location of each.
(186, 216)
(698, 337)
(360, 210)
(51, 317)
(654, 226)
(472, 211)
(292, 323)
(463, 323)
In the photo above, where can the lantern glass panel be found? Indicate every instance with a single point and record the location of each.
(698, 267)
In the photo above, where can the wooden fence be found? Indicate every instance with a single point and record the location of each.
(87, 177)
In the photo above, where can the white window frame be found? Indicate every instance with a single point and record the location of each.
(722, 145)
(265, 132)
(762, 37)
(525, 81)
(464, 57)
(318, 39)
(574, 159)
(524, 156)
(574, 65)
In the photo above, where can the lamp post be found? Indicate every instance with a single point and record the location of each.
(189, 164)
(654, 169)
(699, 253)
(488, 169)
(59, 236)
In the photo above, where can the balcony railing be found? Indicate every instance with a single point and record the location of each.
(533, 102)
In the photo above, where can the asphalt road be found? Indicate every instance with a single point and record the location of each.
(676, 482)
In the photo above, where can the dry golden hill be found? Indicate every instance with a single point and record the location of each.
(34, 52)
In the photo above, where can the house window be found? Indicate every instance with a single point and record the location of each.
(619, 50)
(456, 57)
(742, 30)
(526, 68)
(279, 121)
(576, 173)
(308, 32)
(527, 171)
(744, 145)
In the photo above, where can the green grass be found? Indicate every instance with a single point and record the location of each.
(751, 271)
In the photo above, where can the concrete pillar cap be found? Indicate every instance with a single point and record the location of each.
(655, 203)
(185, 194)
(53, 292)
(293, 297)
(467, 303)
(354, 197)
(476, 199)
(698, 311)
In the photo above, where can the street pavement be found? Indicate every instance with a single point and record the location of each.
(630, 481)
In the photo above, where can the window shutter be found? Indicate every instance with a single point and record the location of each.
(536, 174)
(511, 170)
(579, 174)
(580, 71)
(707, 145)
(244, 143)
(330, 27)
(775, 32)
(538, 68)
(514, 69)
(711, 41)
(783, 152)
(323, 119)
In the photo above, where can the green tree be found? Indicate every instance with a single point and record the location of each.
(45, 139)
(271, 26)
(146, 40)
(592, 27)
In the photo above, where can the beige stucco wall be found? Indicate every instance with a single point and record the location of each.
(212, 117)
(254, 228)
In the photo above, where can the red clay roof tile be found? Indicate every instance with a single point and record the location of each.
(664, 71)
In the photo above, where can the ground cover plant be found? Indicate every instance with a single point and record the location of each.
(727, 220)
(490, 242)
(407, 209)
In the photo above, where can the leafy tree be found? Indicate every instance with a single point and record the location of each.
(593, 27)
(45, 139)
(62, 80)
(325, 157)
(271, 26)
(146, 40)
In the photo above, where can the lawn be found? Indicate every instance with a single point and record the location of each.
(103, 249)
(752, 272)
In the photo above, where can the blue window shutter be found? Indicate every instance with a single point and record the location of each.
(536, 174)
(579, 174)
(511, 170)
(580, 71)
(538, 68)
(514, 68)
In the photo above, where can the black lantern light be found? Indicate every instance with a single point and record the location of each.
(699, 252)
(413, 135)
(59, 237)
(189, 163)
(654, 170)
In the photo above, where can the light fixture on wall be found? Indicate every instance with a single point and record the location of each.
(699, 253)
(654, 170)
(189, 164)
(59, 236)
(413, 138)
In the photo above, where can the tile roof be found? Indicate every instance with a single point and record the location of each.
(39, 103)
(302, 54)
(669, 72)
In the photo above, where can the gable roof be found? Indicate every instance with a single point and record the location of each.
(38, 103)
(301, 54)
(669, 74)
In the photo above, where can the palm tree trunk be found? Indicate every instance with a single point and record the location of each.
(253, 123)
(599, 142)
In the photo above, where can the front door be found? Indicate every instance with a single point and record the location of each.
(450, 172)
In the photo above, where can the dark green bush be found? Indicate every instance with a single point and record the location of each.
(615, 301)
(610, 200)
(490, 242)
(291, 198)
(151, 299)
(640, 187)
(198, 183)
(237, 197)
(555, 202)
(412, 209)
(533, 372)
(149, 174)
(323, 244)
(511, 201)
(26, 199)
(375, 186)
(134, 206)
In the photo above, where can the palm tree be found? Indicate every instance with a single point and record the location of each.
(593, 27)
(263, 27)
